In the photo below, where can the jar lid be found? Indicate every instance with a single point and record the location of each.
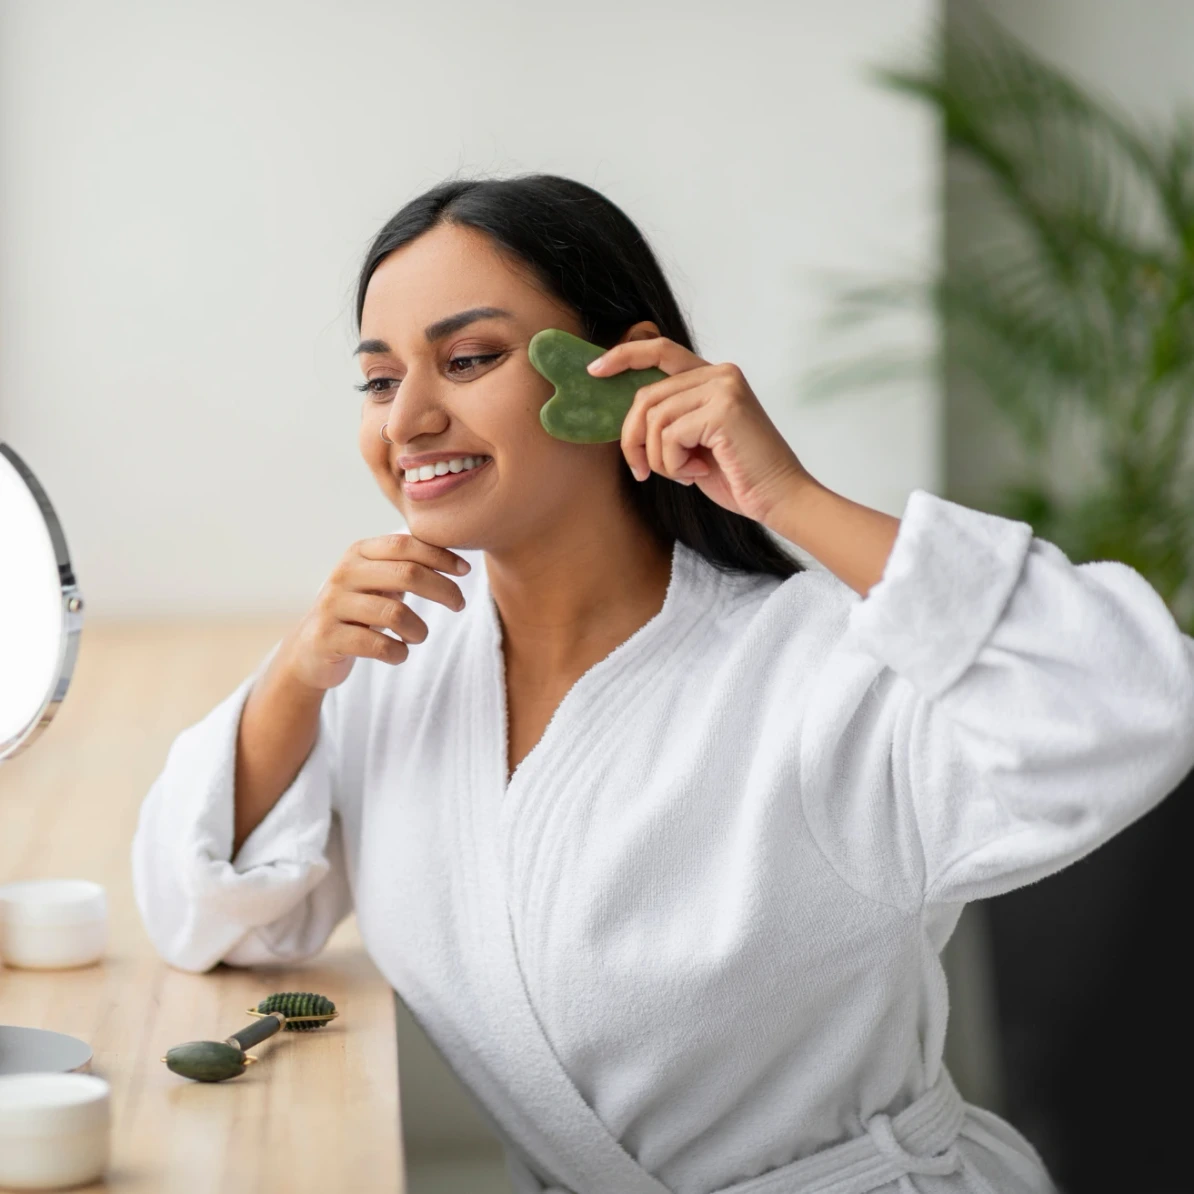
(52, 902)
(52, 1104)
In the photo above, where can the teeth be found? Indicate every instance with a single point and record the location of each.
(458, 464)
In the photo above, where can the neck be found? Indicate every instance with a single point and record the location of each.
(571, 597)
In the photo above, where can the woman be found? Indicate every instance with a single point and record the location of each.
(656, 832)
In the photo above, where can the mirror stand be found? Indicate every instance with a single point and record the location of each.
(41, 618)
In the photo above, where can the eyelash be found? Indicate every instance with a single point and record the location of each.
(367, 386)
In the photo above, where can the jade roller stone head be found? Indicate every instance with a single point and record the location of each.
(584, 409)
(214, 1061)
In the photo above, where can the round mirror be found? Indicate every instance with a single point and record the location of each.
(41, 612)
(41, 615)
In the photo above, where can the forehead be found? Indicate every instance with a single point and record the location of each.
(445, 270)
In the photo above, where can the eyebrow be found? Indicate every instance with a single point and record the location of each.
(441, 327)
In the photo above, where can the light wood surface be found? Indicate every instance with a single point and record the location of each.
(320, 1111)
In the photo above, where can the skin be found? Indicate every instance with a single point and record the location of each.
(573, 572)
(549, 515)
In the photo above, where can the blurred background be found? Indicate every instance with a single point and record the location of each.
(950, 243)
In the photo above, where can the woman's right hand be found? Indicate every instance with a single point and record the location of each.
(366, 590)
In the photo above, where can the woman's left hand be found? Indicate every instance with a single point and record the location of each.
(703, 423)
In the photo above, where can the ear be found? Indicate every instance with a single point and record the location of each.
(643, 330)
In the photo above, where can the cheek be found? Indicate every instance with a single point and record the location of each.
(509, 416)
(370, 420)
(509, 420)
(373, 449)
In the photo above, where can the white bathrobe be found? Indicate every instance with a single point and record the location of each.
(692, 946)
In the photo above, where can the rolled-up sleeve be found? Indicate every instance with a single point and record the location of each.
(286, 890)
(1030, 708)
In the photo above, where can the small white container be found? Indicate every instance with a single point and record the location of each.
(52, 924)
(54, 1130)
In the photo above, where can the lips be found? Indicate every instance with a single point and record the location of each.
(430, 465)
(434, 486)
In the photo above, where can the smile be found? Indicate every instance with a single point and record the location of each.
(432, 486)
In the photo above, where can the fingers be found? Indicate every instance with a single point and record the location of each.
(350, 640)
(657, 353)
(372, 609)
(664, 456)
(655, 406)
(364, 598)
(400, 546)
(399, 564)
(671, 451)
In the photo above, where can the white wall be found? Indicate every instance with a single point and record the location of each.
(186, 192)
(1137, 53)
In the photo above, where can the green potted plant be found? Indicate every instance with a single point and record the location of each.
(1072, 315)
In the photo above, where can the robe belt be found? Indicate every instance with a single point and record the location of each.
(920, 1140)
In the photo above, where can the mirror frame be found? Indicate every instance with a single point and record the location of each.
(72, 614)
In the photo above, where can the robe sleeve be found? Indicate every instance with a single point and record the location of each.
(285, 891)
(992, 711)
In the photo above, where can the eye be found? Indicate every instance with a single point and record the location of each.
(471, 362)
(381, 387)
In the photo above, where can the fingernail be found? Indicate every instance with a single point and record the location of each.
(595, 365)
(463, 566)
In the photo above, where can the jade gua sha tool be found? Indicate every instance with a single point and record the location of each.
(584, 409)
(213, 1061)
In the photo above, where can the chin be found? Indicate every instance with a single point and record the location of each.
(453, 533)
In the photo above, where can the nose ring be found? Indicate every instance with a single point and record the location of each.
(382, 432)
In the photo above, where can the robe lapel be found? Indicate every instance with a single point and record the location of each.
(544, 1114)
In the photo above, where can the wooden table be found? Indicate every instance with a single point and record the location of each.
(320, 1112)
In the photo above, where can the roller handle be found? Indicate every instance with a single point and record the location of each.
(257, 1032)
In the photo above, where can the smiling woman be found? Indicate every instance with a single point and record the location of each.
(451, 291)
(657, 834)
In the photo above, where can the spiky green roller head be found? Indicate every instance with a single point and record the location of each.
(299, 1003)
(584, 409)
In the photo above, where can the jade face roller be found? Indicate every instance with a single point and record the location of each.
(213, 1061)
(584, 409)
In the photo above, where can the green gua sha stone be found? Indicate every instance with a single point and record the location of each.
(584, 409)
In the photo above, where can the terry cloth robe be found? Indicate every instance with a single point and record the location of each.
(692, 945)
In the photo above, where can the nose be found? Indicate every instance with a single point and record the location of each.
(414, 410)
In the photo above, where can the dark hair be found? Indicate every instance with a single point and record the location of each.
(589, 254)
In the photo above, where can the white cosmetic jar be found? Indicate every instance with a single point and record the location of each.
(54, 1130)
(51, 924)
